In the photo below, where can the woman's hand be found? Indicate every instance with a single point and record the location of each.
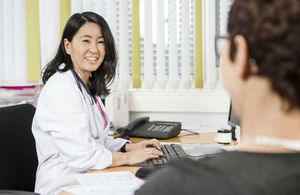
(137, 153)
(134, 156)
(141, 155)
(143, 144)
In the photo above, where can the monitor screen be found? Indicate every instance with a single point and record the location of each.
(234, 122)
(233, 119)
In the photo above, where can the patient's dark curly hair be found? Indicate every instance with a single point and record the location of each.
(272, 31)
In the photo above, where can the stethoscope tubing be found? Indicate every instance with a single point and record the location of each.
(79, 84)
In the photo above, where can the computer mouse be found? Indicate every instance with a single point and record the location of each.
(144, 172)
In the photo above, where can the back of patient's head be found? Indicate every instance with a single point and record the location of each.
(272, 31)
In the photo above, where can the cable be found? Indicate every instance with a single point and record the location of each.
(190, 131)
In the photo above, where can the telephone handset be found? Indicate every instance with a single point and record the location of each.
(136, 123)
(142, 127)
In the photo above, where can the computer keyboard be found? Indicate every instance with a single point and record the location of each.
(170, 152)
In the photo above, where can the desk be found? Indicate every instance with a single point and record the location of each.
(184, 137)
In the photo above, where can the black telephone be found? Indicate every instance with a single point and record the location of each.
(142, 127)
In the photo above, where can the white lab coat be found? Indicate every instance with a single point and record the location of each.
(69, 134)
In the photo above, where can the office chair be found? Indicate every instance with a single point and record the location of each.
(18, 157)
(16, 192)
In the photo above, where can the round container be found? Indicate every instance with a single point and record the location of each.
(224, 136)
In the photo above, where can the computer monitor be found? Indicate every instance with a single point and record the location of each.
(233, 121)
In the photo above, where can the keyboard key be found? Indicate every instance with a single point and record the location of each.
(165, 161)
(164, 150)
(170, 152)
(151, 127)
(168, 128)
(169, 158)
(160, 161)
(154, 161)
(161, 128)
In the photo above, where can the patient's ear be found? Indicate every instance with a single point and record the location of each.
(67, 45)
(242, 56)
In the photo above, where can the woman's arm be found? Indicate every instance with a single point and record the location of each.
(134, 157)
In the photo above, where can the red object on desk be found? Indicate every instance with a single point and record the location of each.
(17, 87)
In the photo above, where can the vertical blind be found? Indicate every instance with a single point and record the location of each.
(160, 43)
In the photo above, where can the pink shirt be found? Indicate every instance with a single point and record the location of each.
(101, 112)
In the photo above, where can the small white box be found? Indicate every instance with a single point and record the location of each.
(117, 107)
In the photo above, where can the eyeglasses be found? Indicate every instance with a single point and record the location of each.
(220, 42)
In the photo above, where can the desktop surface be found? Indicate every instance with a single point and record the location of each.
(187, 138)
(183, 137)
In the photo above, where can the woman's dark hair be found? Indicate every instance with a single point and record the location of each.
(102, 77)
(272, 31)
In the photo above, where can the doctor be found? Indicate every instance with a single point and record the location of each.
(70, 124)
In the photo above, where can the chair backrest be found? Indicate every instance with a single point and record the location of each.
(18, 157)
(15, 192)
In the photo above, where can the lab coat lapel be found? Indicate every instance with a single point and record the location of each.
(98, 120)
(91, 116)
(105, 115)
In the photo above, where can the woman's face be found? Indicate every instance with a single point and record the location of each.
(87, 49)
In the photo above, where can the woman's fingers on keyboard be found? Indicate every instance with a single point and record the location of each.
(155, 143)
(152, 155)
(155, 151)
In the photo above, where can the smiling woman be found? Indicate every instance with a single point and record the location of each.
(70, 125)
(88, 35)
(87, 50)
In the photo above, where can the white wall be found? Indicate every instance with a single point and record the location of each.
(200, 107)
(218, 120)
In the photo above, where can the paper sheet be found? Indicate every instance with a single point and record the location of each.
(201, 149)
(201, 128)
(77, 190)
(106, 183)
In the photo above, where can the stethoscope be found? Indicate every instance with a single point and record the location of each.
(80, 83)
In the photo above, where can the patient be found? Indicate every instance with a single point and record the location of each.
(260, 65)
